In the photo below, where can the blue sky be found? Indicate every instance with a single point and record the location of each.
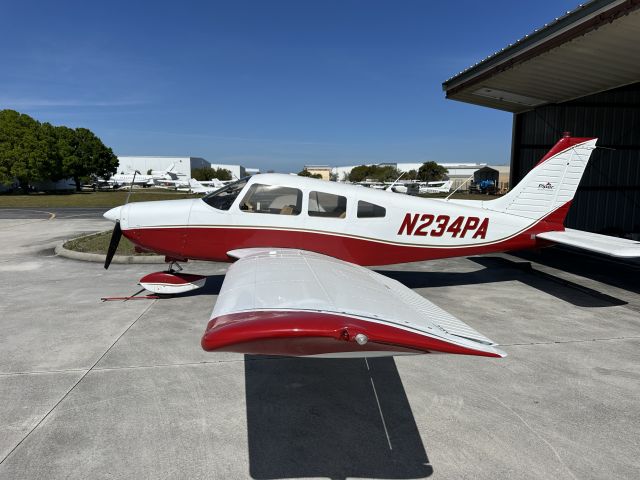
(271, 84)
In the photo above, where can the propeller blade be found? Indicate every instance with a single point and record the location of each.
(113, 244)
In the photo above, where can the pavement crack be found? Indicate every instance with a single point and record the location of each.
(82, 377)
(606, 339)
(530, 428)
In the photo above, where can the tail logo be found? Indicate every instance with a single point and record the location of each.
(545, 186)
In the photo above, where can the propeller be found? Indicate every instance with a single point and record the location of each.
(113, 244)
(117, 231)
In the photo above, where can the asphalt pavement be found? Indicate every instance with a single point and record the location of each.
(92, 389)
(43, 213)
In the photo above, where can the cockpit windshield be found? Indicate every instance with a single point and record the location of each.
(223, 199)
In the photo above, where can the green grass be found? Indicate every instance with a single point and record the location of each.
(88, 199)
(99, 242)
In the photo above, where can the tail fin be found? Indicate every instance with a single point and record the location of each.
(195, 184)
(551, 185)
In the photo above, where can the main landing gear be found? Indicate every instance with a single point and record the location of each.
(172, 281)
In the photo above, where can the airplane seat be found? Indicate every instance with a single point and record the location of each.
(287, 210)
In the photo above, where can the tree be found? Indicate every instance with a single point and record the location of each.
(307, 173)
(83, 154)
(431, 171)
(202, 174)
(410, 175)
(32, 151)
(206, 174)
(379, 173)
(222, 174)
(24, 149)
(359, 173)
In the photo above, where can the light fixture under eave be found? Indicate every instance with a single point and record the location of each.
(509, 97)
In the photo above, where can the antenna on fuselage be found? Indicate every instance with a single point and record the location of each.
(131, 186)
(458, 188)
(390, 187)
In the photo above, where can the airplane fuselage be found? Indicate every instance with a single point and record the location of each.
(373, 227)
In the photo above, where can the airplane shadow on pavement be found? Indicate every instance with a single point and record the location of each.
(499, 269)
(333, 418)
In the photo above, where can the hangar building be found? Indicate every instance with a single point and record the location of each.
(581, 74)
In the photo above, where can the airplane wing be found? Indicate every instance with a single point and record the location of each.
(300, 303)
(593, 242)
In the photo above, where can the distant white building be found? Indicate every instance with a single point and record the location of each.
(182, 165)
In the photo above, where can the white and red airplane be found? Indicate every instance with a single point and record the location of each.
(298, 286)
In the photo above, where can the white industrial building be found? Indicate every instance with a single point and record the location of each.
(183, 165)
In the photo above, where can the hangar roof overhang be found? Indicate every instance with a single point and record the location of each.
(594, 48)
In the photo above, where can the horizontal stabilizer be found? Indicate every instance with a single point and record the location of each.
(593, 242)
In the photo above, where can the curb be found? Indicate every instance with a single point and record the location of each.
(98, 258)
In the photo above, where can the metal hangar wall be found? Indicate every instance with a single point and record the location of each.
(579, 73)
(608, 199)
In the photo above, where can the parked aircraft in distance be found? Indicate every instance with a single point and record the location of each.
(298, 286)
(414, 188)
(207, 186)
(126, 179)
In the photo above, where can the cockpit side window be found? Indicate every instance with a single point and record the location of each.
(327, 205)
(370, 210)
(223, 199)
(273, 199)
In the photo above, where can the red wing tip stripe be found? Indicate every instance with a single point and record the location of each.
(311, 333)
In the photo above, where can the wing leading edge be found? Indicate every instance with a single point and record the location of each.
(300, 303)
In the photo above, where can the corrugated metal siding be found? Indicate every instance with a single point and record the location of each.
(608, 199)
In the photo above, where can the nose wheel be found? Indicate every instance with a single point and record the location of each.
(172, 281)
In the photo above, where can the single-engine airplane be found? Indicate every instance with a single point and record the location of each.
(298, 286)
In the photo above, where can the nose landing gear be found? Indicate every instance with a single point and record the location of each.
(172, 281)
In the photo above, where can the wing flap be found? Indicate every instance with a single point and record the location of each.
(295, 292)
(593, 242)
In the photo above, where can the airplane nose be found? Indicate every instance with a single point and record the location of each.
(113, 214)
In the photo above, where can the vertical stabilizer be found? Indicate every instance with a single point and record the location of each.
(551, 184)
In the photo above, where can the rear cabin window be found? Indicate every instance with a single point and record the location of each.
(327, 205)
(370, 210)
(223, 199)
(272, 199)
